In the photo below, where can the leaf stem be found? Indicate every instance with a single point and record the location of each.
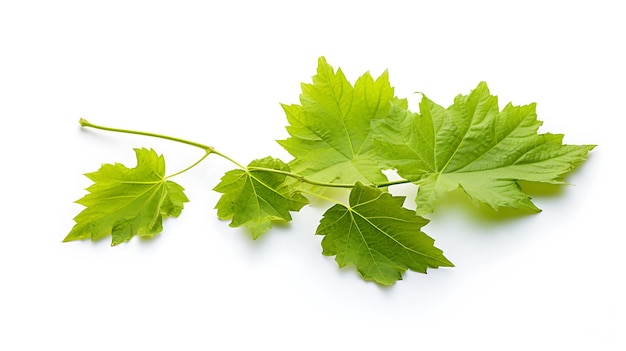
(326, 198)
(210, 150)
(324, 184)
(83, 122)
(206, 154)
(230, 159)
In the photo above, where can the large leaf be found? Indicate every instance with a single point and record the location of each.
(330, 130)
(124, 202)
(254, 198)
(379, 236)
(475, 146)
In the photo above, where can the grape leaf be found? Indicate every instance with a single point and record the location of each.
(475, 146)
(330, 130)
(124, 202)
(255, 199)
(379, 236)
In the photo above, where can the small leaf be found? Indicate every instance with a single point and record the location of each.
(379, 236)
(255, 198)
(124, 202)
(474, 146)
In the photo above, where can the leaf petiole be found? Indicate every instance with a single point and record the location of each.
(206, 154)
(233, 161)
(84, 123)
(324, 184)
(207, 149)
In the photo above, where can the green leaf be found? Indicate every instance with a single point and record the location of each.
(475, 146)
(330, 130)
(255, 198)
(379, 236)
(124, 202)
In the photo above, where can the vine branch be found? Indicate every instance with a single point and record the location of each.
(210, 150)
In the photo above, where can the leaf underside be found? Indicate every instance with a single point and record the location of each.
(123, 202)
(255, 199)
(379, 236)
(474, 146)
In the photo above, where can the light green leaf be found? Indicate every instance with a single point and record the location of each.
(475, 146)
(124, 202)
(379, 236)
(330, 130)
(255, 198)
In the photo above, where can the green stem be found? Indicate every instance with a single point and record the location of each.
(210, 150)
(229, 159)
(299, 177)
(83, 122)
(324, 184)
(326, 198)
(206, 154)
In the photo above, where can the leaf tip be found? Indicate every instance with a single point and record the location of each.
(447, 263)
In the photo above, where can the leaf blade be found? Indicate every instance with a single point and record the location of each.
(379, 236)
(329, 131)
(124, 202)
(476, 147)
(254, 199)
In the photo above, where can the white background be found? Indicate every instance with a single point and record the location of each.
(215, 72)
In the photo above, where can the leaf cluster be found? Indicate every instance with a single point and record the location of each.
(344, 135)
